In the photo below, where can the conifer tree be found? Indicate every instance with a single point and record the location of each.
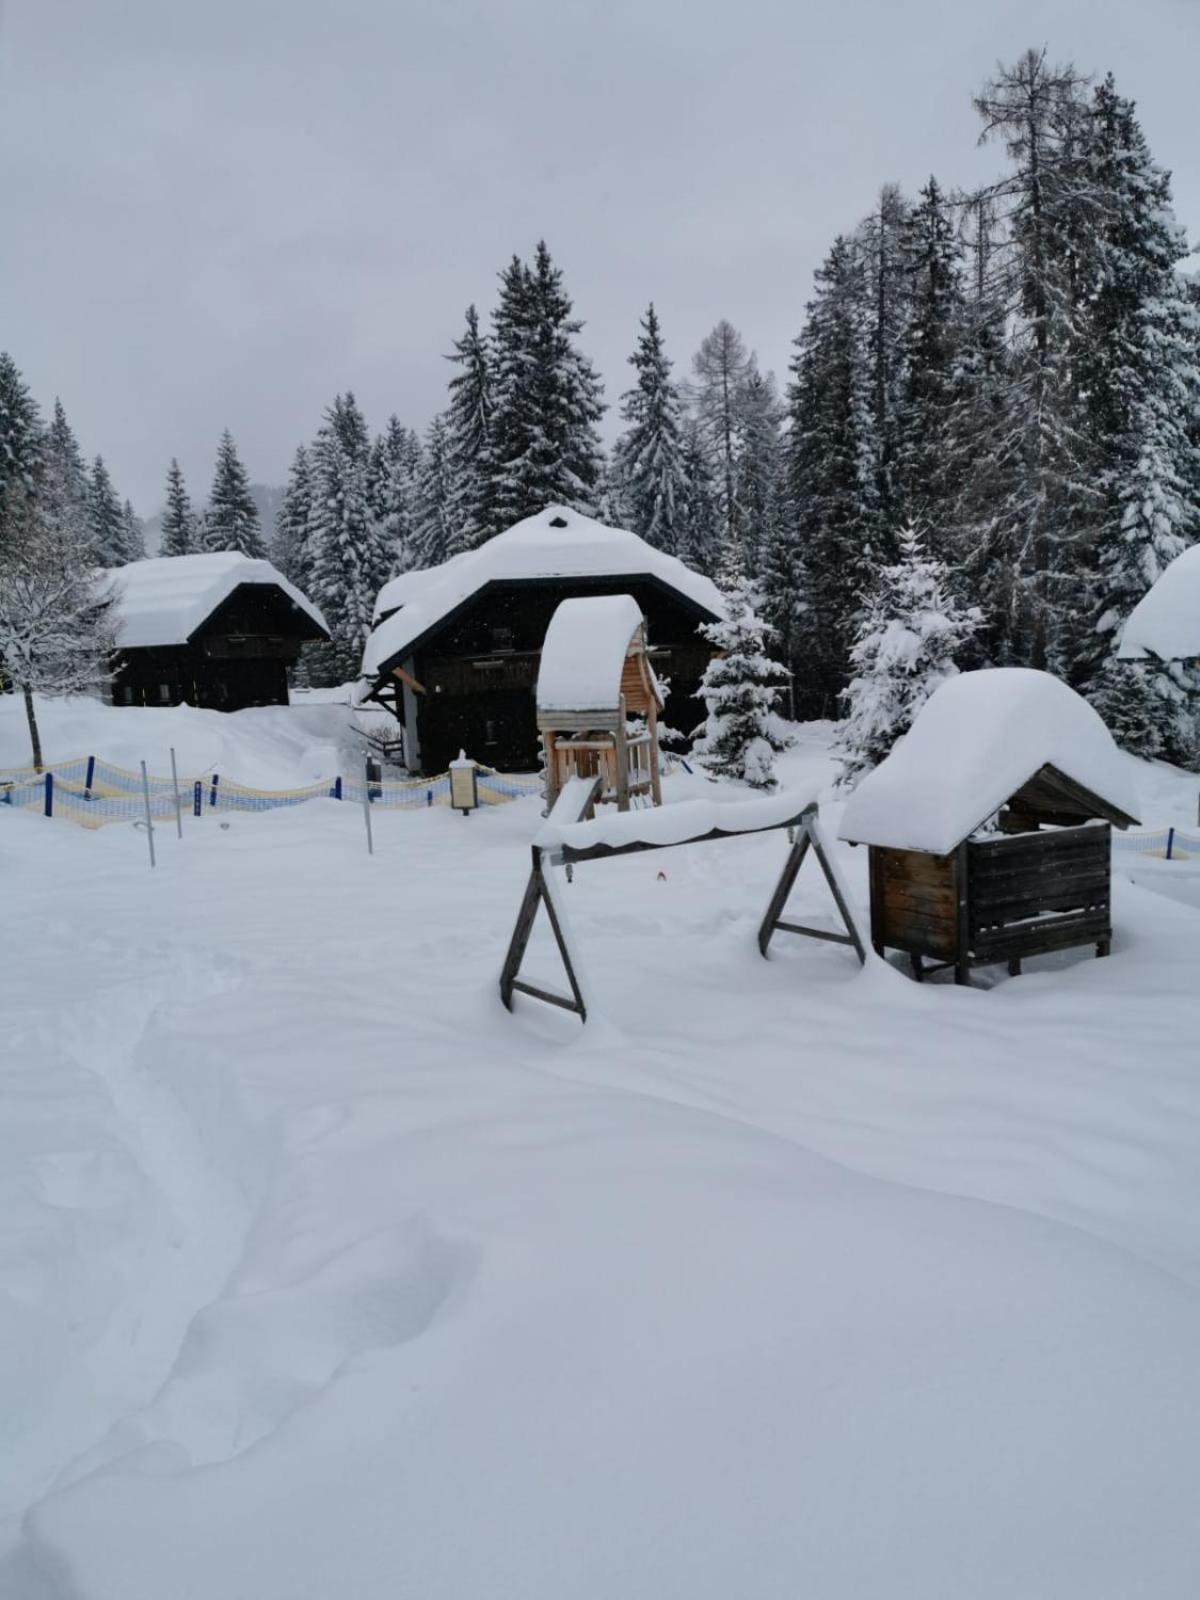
(179, 534)
(546, 398)
(699, 540)
(911, 630)
(289, 548)
(231, 520)
(65, 491)
(472, 516)
(1129, 700)
(395, 473)
(741, 688)
(648, 462)
(434, 535)
(720, 369)
(759, 464)
(349, 561)
(133, 535)
(105, 518)
(20, 434)
(880, 245)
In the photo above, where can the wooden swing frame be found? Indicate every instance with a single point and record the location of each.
(576, 800)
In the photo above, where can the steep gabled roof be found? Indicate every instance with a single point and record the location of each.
(557, 543)
(1166, 620)
(978, 739)
(164, 600)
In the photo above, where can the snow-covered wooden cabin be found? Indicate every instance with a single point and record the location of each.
(989, 824)
(1164, 626)
(456, 648)
(594, 677)
(218, 630)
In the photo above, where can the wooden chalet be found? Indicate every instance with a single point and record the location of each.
(595, 676)
(456, 649)
(218, 630)
(989, 826)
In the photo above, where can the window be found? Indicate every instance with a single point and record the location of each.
(502, 638)
(489, 733)
(164, 694)
(126, 697)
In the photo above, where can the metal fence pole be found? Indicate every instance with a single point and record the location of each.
(178, 802)
(149, 818)
(367, 811)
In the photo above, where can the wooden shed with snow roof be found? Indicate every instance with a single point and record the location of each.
(456, 649)
(989, 825)
(218, 630)
(594, 677)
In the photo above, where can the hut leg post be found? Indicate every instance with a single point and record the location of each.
(962, 962)
(1014, 966)
(918, 971)
(1103, 948)
(622, 752)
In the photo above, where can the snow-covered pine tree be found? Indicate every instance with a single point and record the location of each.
(648, 460)
(699, 520)
(880, 243)
(289, 545)
(1127, 697)
(57, 632)
(759, 464)
(179, 534)
(910, 632)
(741, 687)
(831, 461)
(65, 492)
(394, 474)
(926, 469)
(106, 523)
(471, 518)
(20, 434)
(434, 533)
(349, 562)
(1139, 366)
(231, 519)
(782, 585)
(546, 398)
(133, 535)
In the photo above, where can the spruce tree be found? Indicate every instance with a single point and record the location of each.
(289, 547)
(179, 535)
(910, 633)
(133, 535)
(472, 516)
(349, 560)
(546, 399)
(65, 492)
(880, 245)
(648, 461)
(741, 687)
(699, 540)
(1128, 698)
(231, 520)
(395, 473)
(105, 519)
(434, 533)
(759, 465)
(20, 437)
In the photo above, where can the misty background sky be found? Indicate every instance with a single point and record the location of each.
(218, 213)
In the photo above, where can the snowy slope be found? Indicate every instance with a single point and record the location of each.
(326, 1277)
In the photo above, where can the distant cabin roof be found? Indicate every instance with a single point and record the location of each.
(164, 600)
(1166, 620)
(557, 543)
(978, 739)
(583, 658)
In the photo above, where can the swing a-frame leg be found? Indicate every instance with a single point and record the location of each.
(538, 893)
(808, 838)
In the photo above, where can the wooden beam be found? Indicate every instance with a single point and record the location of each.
(407, 677)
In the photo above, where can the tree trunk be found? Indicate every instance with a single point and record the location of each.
(34, 737)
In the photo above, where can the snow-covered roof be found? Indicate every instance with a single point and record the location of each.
(1166, 620)
(977, 739)
(162, 601)
(557, 543)
(583, 656)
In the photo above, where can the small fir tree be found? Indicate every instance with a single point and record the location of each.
(231, 521)
(179, 531)
(105, 518)
(20, 434)
(471, 517)
(647, 478)
(133, 535)
(1128, 699)
(741, 688)
(910, 631)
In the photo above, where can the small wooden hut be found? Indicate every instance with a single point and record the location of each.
(595, 676)
(989, 825)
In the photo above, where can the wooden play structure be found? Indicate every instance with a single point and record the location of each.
(594, 677)
(971, 866)
(567, 839)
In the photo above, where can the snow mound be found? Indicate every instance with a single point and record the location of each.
(1166, 620)
(977, 739)
(584, 653)
(162, 601)
(557, 543)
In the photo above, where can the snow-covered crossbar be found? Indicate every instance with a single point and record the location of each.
(566, 839)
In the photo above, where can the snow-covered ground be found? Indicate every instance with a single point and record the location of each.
(320, 1275)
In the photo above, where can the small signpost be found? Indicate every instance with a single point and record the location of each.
(464, 784)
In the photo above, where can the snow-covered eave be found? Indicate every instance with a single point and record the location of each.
(172, 619)
(399, 653)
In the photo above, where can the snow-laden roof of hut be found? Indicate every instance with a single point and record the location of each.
(1166, 620)
(583, 657)
(976, 741)
(557, 543)
(163, 600)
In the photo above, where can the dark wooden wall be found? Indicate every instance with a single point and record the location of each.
(480, 671)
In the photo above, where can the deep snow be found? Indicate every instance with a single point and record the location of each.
(324, 1276)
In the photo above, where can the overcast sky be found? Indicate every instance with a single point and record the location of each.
(218, 213)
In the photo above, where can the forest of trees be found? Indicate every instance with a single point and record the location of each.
(1009, 377)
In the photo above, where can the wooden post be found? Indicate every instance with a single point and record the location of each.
(807, 837)
(962, 962)
(655, 775)
(551, 760)
(622, 751)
